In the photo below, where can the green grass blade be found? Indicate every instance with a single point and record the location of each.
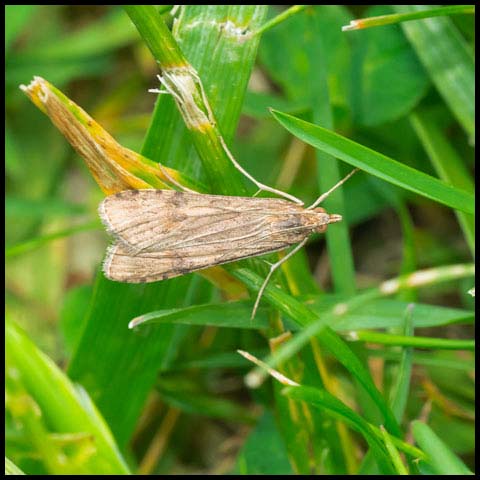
(328, 172)
(401, 384)
(418, 342)
(314, 326)
(325, 335)
(64, 408)
(379, 313)
(230, 315)
(279, 18)
(427, 359)
(448, 60)
(393, 453)
(322, 399)
(109, 358)
(441, 459)
(224, 62)
(381, 20)
(448, 165)
(377, 164)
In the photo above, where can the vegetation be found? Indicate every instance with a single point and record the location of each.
(368, 330)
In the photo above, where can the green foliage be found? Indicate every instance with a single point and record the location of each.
(374, 361)
(441, 458)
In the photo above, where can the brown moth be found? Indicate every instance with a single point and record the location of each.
(161, 234)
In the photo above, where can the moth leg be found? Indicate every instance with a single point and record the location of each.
(182, 103)
(259, 185)
(323, 196)
(172, 180)
(270, 273)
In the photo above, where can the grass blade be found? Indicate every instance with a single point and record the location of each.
(407, 341)
(377, 164)
(133, 359)
(441, 459)
(405, 17)
(448, 166)
(334, 407)
(64, 408)
(449, 61)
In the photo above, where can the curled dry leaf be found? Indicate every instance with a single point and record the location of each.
(114, 167)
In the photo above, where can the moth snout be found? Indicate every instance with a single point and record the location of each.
(322, 219)
(327, 218)
(335, 217)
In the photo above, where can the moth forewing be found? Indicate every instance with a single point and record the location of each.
(161, 234)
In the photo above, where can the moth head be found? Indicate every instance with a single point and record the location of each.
(323, 219)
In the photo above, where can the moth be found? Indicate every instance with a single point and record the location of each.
(161, 234)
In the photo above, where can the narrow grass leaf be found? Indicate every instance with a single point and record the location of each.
(448, 60)
(379, 313)
(393, 453)
(448, 165)
(401, 385)
(380, 20)
(322, 399)
(377, 164)
(418, 342)
(230, 315)
(328, 172)
(428, 359)
(65, 408)
(326, 336)
(136, 359)
(441, 458)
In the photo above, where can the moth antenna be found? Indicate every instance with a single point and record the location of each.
(259, 185)
(323, 196)
(211, 119)
(270, 273)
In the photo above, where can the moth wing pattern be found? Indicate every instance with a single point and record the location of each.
(120, 265)
(161, 234)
